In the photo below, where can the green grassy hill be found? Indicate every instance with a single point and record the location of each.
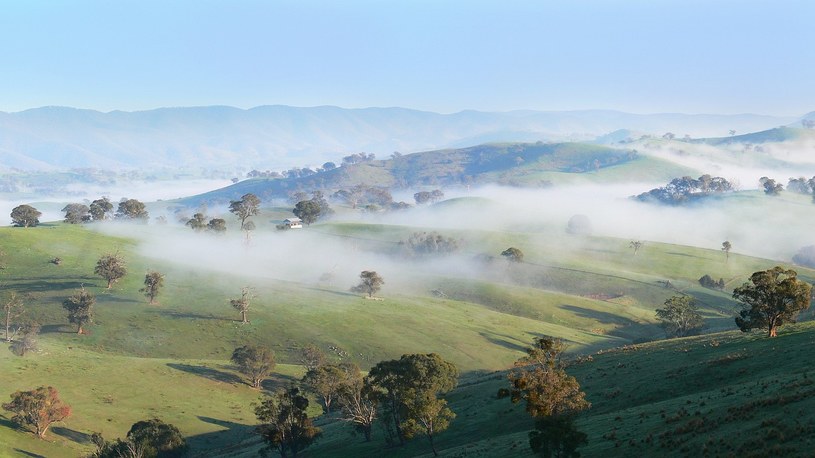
(517, 164)
(171, 360)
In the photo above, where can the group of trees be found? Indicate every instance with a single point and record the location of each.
(404, 395)
(199, 223)
(428, 244)
(770, 299)
(76, 213)
(686, 189)
(771, 188)
(371, 198)
(146, 439)
(423, 197)
(313, 209)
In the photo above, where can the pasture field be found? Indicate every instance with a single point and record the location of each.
(171, 360)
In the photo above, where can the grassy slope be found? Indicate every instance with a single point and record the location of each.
(181, 346)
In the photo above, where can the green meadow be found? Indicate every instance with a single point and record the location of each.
(683, 397)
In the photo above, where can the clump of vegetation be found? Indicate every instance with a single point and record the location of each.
(685, 190)
(411, 387)
(708, 282)
(111, 267)
(246, 207)
(132, 209)
(153, 281)
(773, 297)
(370, 283)
(771, 188)
(146, 439)
(680, 317)
(513, 254)
(80, 309)
(428, 244)
(37, 409)
(285, 425)
(255, 362)
(552, 397)
(424, 197)
(25, 216)
(76, 213)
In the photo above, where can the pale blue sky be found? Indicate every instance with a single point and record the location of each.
(691, 56)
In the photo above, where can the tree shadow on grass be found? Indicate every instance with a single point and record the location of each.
(208, 373)
(44, 285)
(58, 329)
(188, 315)
(6, 423)
(335, 292)
(503, 341)
(27, 453)
(70, 434)
(234, 437)
(277, 381)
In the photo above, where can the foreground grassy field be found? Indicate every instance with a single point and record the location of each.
(170, 360)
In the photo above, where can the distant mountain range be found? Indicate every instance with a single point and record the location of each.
(279, 137)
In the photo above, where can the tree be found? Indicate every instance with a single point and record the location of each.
(771, 188)
(680, 317)
(513, 254)
(426, 414)
(327, 381)
(27, 341)
(146, 439)
(552, 396)
(25, 216)
(370, 283)
(248, 206)
(38, 408)
(636, 245)
(132, 209)
(80, 308)
(197, 222)
(153, 281)
(285, 425)
(360, 402)
(76, 213)
(311, 357)
(111, 267)
(242, 303)
(726, 246)
(557, 437)
(255, 362)
(411, 386)
(773, 297)
(13, 308)
(307, 210)
(99, 209)
(218, 225)
(158, 439)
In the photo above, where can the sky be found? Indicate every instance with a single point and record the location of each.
(641, 56)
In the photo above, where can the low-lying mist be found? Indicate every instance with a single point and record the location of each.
(754, 223)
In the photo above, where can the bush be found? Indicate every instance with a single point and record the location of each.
(708, 282)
